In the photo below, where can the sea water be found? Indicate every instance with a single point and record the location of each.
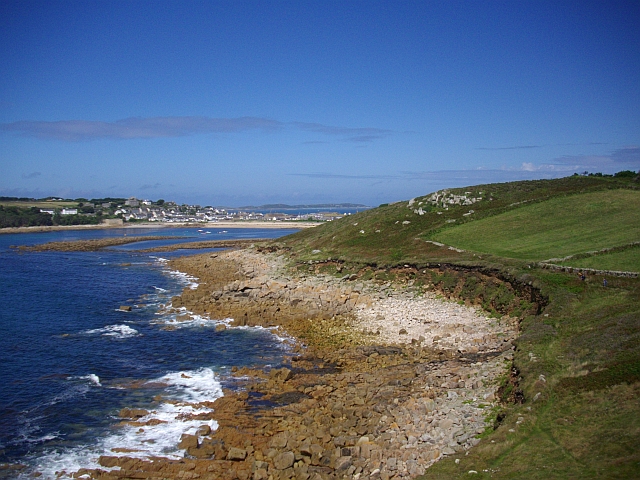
(70, 359)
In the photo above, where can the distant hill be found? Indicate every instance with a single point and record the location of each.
(284, 206)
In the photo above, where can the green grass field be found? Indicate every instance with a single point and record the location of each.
(554, 228)
(623, 261)
(52, 204)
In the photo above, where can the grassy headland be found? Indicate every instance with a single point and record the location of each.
(556, 227)
(570, 407)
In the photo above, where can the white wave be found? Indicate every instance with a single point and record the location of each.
(184, 278)
(44, 438)
(182, 318)
(192, 386)
(117, 331)
(93, 378)
(283, 338)
(162, 290)
(154, 435)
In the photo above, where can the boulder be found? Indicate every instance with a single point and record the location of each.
(132, 413)
(284, 460)
(188, 441)
(280, 375)
(236, 454)
(343, 463)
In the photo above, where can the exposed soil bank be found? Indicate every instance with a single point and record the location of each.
(391, 378)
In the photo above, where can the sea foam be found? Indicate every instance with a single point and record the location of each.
(184, 279)
(92, 378)
(116, 331)
(157, 434)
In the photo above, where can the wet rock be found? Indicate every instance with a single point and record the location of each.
(188, 441)
(108, 461)
(132, 413)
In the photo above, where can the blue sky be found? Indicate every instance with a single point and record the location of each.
(246, 102)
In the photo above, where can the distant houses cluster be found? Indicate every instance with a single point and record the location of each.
(64, 211)
(134, 209)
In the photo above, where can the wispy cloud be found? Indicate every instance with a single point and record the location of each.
(580, 144)
(628, 157)
(544, 167)
(365, 134)
(136, 127)
(623, 158)
(530, 147)
(31, 175)
(450, 178)
(164, 127)
(516, 147)
(148, 186)
(343, 176)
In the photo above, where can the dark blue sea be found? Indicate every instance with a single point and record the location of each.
(70, 360)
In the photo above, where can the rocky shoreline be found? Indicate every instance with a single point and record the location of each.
(100, 243)
(386, 377)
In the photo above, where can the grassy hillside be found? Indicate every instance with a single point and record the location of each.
(553, 228)
(577, 361)
(627, 259)
(400, 232)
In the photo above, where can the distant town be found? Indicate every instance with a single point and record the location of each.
(119, 210)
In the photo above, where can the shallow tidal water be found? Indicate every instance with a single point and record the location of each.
(70, 360)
